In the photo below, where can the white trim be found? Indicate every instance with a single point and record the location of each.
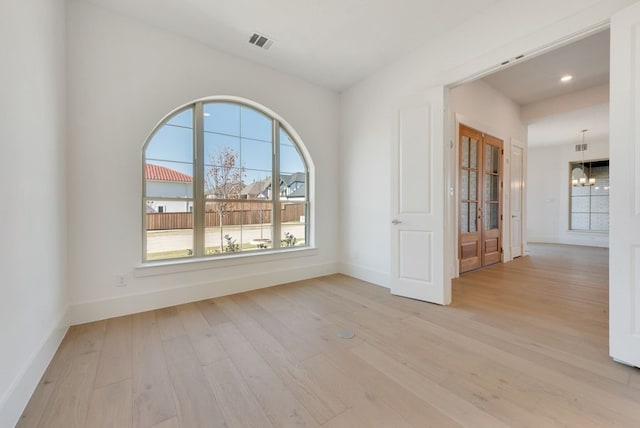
(203, 263)
(382, 279)
(95, 310)
(199, 201)
(17, 396)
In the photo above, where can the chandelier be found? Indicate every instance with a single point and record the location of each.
(582, 179)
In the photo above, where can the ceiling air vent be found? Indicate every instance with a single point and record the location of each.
(581, 147)
(260, 40)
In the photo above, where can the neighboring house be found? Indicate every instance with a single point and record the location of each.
(292, 187)
(257, 190)
(168, 183)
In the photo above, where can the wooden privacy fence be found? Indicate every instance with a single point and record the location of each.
(232, 217)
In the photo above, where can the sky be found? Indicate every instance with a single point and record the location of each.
(243, 129)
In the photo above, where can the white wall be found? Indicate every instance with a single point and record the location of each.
(367, 110)
(479, 105)
(124, 77)
(33, 291)
(548, 194)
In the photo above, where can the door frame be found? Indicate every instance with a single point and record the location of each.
(523, 200)
(456, 120)
(590, 20)
(481, 176)
(468, 74)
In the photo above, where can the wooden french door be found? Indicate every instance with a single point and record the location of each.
(480, 222)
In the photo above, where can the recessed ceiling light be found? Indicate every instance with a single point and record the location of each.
(566, 78)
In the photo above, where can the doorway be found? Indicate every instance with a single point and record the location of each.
(516, 188)
(480, 204)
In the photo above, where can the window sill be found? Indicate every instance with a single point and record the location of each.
(589, 232)
(202, 263)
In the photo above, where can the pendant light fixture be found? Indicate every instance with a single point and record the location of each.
(584, 179)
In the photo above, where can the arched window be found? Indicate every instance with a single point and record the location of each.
(223, 176)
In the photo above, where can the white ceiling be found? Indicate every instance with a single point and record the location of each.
(336, 43)
(333, 43)
(565, 128)
(538, 79)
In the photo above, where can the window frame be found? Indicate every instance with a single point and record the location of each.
(199, 199)
(572, 165)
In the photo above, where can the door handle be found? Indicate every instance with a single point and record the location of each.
(395, 221)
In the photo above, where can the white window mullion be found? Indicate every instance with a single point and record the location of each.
(275, 186)
(198, 182)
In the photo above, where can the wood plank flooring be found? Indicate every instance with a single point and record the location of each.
(524, 344)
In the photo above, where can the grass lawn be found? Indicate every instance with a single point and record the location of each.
(175, 254)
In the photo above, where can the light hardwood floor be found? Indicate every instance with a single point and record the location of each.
(523, 344)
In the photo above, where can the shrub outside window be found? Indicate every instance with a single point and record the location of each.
(223, 177)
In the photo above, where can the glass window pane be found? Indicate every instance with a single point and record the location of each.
(293, 224)
(293, 186)
(580, 190)
(580, 204)
(173, 141)
(464, 184)
(487, 216)
(256, 154)
(255, 125)
(474, 186)
(473, 217)
(600, 172)
(464, 217)
(223, 232)
(473, 156)
(601, 187)
(168, 180)
(495, 187)
(488, 160)
(599, 222)
(495, 216)
(222, 118)
(183, 119)
(590, 203)
(464, 151)
(495, 166)
(580, 221)
(216, 144)
(169, 159)
(600, 204)
(291, 160)
(257, 185)
(223, 181)
(257, 229)
(169, 229)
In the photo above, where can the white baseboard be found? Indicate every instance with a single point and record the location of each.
(577, 238)
(14, 401)
(95, 310)
(365, 274)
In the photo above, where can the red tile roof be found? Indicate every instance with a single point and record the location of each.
(161, 173)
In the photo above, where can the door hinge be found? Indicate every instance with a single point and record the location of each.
(501, 250)
(502, 151)
(500, 216)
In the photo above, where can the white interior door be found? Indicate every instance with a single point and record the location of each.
(624, 234)
(418, 204)
(517, 184)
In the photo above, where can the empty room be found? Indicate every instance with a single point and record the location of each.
(320, 213)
